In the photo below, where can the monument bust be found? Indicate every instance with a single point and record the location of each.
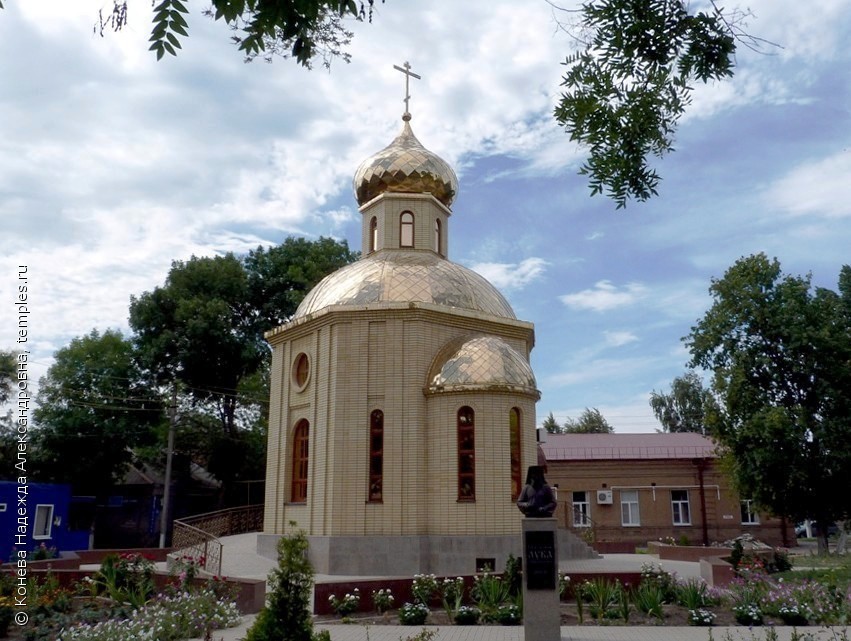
(537, 499)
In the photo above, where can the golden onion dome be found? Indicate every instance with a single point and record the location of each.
(405, 166)
(481, 361)
(403, 276)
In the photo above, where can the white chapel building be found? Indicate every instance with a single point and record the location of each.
(402, 416)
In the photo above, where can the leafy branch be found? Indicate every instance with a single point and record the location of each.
(628, 87)
(168, 21)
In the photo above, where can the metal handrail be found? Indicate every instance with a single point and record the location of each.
(197, 536)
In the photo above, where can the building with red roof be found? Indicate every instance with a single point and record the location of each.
(619, 491)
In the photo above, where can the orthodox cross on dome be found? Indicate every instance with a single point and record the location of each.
(406, 69)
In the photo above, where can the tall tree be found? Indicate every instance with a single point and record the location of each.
(551, 425)
(685, 407)
(591, 421)
(780, 352)
(93, 406)
(204, 328)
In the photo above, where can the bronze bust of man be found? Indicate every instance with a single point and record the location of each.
(537, 499)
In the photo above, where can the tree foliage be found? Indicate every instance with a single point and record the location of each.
(8, 373)
(204, 329)
(686, 406)
(591, 421)
(780, 352)
(94, 405)
(551, 425)
(628, 88)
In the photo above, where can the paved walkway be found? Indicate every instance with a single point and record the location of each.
(354, 632)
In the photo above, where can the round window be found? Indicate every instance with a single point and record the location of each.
(301, 371)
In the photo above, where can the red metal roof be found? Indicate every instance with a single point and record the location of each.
(585, 447)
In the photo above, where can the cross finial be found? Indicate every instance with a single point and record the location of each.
(406, 69)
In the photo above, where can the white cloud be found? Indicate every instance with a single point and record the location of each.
(821, 188)
(605, 296)
(617, 339)
(511, 275)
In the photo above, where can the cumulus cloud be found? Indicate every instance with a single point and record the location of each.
(605, 296)
(511, 275)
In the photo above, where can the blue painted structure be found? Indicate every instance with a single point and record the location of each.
(48, 511)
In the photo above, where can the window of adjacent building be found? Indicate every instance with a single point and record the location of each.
(437, 246)
(514, 447)
(466, 454)
(43, 521)
(749, 515)
(298, 493)
(376, 455)
(406, 237)
(629, 508)
(301, 371)
(680, 507)
(373, 234)
(581, 510)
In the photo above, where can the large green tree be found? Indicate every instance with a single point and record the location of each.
(685, 407)
(203, 329)
(591, 421)
(780, 351)
(624, 91)
(93, 406)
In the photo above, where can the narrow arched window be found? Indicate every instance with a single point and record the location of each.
(514, 452)
(466, 454)
(376, 456)
(437, 246)
(406, 231)
(373, 234)
(301, 433)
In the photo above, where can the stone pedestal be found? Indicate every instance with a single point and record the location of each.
(541, 616)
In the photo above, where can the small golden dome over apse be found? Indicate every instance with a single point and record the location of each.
(405, 166)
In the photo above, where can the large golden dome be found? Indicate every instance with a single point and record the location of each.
(402, 276)
(405, 166)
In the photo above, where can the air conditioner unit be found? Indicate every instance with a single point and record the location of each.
(604, 497)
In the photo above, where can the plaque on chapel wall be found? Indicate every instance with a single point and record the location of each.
(540, 561)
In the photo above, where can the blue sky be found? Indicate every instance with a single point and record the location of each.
(112, 165)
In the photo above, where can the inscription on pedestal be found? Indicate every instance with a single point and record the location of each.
(540, 561)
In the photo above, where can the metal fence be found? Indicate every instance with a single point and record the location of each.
(198, 536)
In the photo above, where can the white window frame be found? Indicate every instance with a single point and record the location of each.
(749, 515)
(678, 506)
(46, 531)
(630, 511)
(581, 510)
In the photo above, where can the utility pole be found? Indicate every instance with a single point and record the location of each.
(172, 422)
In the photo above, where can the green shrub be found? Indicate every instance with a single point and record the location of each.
(509, 615)
(648, 599)
(413, 614)
(467, 615)
(691, 593)
(287, 616)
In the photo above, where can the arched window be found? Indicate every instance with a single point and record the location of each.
(298, 493)
(514, 452)
(373, 234)
(437, 246)
(466, 454)
(406, 231)
(376, 456)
